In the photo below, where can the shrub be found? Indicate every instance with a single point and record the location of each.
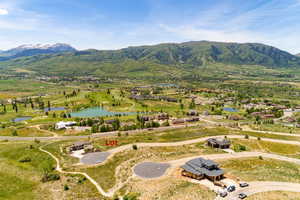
(166, 123)
(239, 148)
(14, 133)
(130, 196)
(66, 187)
(50, 177)
(115, 197)
(25, 159)
(260, 158)
(134, 147)
(37, 141)
(258, 138)
(246, 136)
(81, 180)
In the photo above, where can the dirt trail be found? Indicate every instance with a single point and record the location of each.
(59, 169)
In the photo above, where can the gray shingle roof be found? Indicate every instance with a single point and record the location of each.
(219, 141)
(201, 166)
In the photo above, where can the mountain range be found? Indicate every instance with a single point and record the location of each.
(30, 50)
(169, 60)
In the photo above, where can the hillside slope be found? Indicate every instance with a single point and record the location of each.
(175, 60)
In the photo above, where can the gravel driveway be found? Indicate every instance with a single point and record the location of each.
(94, 158)
(150, 169)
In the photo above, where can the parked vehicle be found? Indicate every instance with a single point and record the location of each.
(242, 196)
(231, 188)
(244, 184)
(223, 194)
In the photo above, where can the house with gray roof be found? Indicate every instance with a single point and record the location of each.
(201, 168)
(218, 143)
(80, 145)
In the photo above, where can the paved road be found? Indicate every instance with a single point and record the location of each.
(119, 149)
(257, 187)
(95, 135)
(176, 163)
(115, 133)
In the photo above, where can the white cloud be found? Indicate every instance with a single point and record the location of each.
(3, 11)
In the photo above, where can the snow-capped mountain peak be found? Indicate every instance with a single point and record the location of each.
(43, 46)
(35, 49)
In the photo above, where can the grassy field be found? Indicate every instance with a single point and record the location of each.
(22, 180)
(255, 169)
(24, 132)
(275, 196)
(170, 188)
(265, 146)
(276, 128)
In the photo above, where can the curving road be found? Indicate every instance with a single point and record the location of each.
(170, 164)
(95, 135)
(59, 169)
(176, 163)
(115, 133)
(110, 153)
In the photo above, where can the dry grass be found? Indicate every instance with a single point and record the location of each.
(275, 196)
(169, 188)
(255, 169)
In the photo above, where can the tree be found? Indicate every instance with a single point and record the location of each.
(192, 104)
(181, 106)
(95, 128)
(14, 133)
(49, 106)
(116, 124)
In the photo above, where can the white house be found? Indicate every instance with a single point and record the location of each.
(64, 125)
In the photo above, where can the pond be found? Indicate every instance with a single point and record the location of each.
(98, 112)
(229, 109)
(19, 119)
(54, 109)
(167, 85)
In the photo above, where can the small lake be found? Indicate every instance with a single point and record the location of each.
(229, 109)
(167, 85)
(20, 119)
(97, 112)
(54, 109)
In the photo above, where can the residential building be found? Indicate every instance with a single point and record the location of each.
(218, 143)
(201, 168)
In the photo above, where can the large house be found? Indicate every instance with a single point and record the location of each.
(218, 143)
(80, 145)
(201, 168)
(64, 125)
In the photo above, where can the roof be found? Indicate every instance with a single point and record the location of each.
(219, 141)
(201, 166)
(201, 162)
(65, 123)
(81, 143)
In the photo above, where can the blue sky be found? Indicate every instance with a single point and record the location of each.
(113, 24)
